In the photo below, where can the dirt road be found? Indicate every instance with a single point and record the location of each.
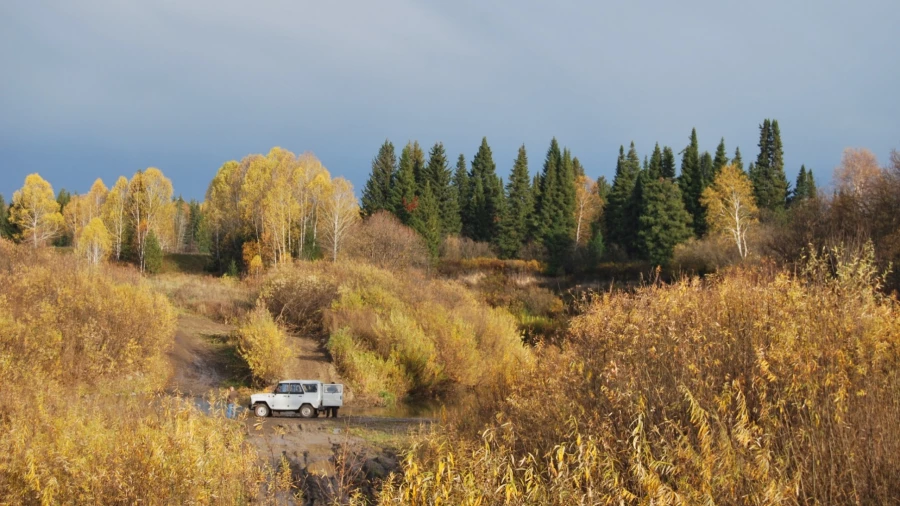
(203, 360)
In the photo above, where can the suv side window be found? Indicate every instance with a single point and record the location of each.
(296, 388)
(310, 388)
(283, 388)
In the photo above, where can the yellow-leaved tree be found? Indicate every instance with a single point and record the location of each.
(114, 213)
(94, 241)
(36, 212)
(588, 206)
(340, 211)
(149, 199)
(730, 206)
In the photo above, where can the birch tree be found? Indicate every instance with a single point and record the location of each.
(36, 211)
(114, 214)
(340, 211)
(149, 192)
(94, 242)
(587, 208)
(730, 206)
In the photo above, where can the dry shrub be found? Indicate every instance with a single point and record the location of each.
(298, 296)
(383, 241)
(263, 345)
(704, 256)
(222, 299)
(455, 248)
(752, 388)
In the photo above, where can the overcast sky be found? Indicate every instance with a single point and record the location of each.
(93, 88)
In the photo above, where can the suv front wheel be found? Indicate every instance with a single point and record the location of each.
(307, 411)
(261, 410)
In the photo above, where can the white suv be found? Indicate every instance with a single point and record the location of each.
(306, 397)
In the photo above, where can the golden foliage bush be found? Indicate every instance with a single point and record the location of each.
(751, 388)
(263, 345)
(61, 321)
(122, 449)
(81, 351)
(393, 336)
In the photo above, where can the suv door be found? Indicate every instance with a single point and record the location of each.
(295, 400)
(283, 395)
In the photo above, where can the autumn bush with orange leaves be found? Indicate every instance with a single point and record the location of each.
(752, 387)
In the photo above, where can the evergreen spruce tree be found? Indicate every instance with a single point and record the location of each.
(664, 222)
(546, 194)
(811, 190)
(438, 174)
(770, 185)
(719, 161)
(63, 198)
(427, 220)
(706, 168)
(462, 189)
(577, 168)
(654, 168)
(620, 218)
(691, 182)
(519, 205)
(417, 158)
(805, 187)
(486, 204)
(737, 161)
(153, 254)
(403, 194)
(377, 193)
(603, 189)
(668, 163)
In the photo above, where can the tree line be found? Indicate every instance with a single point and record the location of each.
(269, 209)
(136, 219)
(562, 216)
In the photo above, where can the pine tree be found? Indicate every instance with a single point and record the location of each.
(427, 221)
(737, 161)
(664, 222)
(519, 205)
(377, 193)
(438, 174)
(486, 204)
(691, 182)
(620, 218)
(461, 188)
(403, 194)
(667, 169)
(720, 160)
